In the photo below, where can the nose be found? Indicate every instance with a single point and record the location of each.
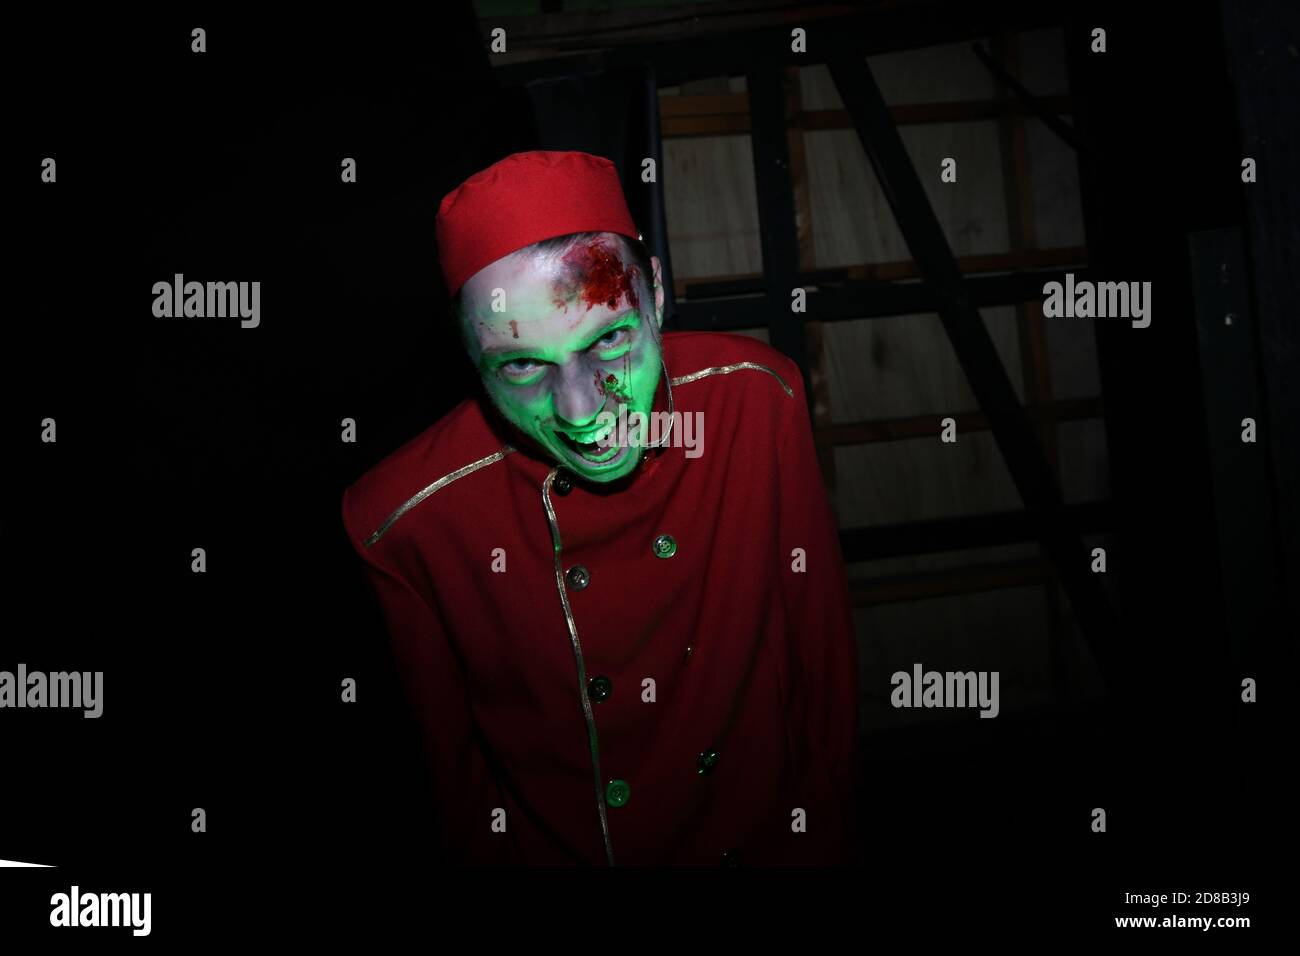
(578, 397)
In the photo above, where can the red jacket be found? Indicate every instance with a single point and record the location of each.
(670, 706)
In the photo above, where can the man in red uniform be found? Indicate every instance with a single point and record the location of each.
(624, 645)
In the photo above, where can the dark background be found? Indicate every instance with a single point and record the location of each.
(222, 689)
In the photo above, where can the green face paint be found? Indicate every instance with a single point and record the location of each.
(571, 340)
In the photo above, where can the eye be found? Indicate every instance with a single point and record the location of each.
(519, 371)
(610, 339)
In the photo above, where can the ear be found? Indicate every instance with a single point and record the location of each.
(659, 291)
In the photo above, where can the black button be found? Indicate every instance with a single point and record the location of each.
(577, 577)
(706, 761)
(563, 483)
(732, 858)
(599, 689)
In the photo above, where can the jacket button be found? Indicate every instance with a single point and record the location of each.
(732, 858)
(617, 793)
(599, 689)
(706, 761)
(577, 577)
(665, 546)
(563, 483)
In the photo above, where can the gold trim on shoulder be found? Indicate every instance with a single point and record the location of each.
(727, 370)
(442, 482)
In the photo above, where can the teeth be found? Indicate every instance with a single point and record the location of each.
(590, 450)
(589, 439)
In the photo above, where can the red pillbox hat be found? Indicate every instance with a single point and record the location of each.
(525, 198)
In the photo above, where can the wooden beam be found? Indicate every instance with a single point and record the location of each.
(968, 579)
(733, 49)
(554, 30)
(726, 114)
(927, 426)
(1035, 364)
(814, 340)
(906, 269)
(987, 529)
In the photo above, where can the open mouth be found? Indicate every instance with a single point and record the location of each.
(592, 451)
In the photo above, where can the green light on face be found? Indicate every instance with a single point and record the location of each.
(623, 367)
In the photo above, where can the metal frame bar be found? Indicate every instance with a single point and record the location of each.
(1226, 332)
(778, 233)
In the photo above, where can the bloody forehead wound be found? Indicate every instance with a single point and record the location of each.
(528, 197)
(594, 271)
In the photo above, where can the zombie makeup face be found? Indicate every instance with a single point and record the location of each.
(559, 339)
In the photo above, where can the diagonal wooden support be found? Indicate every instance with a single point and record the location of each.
(979, 360)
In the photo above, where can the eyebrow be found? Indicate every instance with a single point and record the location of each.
(502, 354)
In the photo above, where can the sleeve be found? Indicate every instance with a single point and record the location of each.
(464, 787)
(819, 618)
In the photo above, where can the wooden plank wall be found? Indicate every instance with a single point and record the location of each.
(1016, 202)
